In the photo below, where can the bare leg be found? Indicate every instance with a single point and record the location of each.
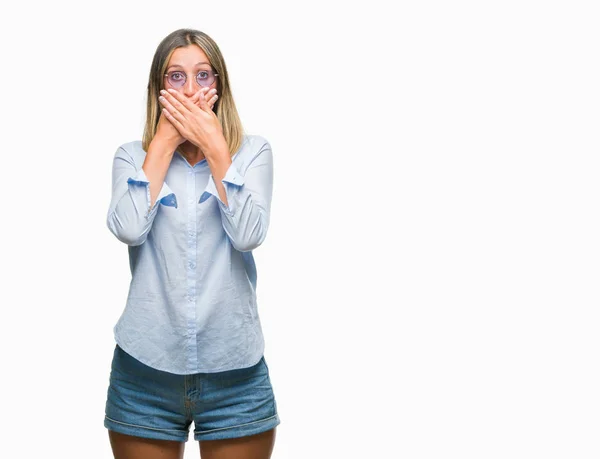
(130, 447)
(259, 446)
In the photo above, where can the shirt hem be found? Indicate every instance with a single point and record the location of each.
(128, 351)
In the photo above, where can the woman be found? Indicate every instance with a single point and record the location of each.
(191, 200)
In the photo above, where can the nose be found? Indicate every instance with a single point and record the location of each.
(190, 87)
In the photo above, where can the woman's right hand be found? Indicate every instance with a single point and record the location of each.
(167, 133)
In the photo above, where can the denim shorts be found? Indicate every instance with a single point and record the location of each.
(146, 402)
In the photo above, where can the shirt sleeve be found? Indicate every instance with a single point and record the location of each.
(246, 217)
(129, 215)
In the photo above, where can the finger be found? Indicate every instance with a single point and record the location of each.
(179, 101)
(196, 97)
(173, 105)
(211, 102)
(171, 110)
(202, 90)
(166, 104)
(204, 103)
(173, 121)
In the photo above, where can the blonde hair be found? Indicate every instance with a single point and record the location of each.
(224, 107)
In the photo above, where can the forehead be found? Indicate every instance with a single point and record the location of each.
(190, 56)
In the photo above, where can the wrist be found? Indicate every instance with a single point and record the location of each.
(218, 152)
(217, 156)
(219, 164)
(161, 147)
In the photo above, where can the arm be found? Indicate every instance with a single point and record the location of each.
(136, 194)
(245, 214)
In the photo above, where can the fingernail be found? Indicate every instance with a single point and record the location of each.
(162, 91)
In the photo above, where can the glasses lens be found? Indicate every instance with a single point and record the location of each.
(176, 79)
(205, 77)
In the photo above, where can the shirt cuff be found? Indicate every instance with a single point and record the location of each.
(166, 196)
(232, 182)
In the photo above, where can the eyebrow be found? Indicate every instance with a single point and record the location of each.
(181, 66)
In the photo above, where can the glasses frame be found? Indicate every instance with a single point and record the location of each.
(215, 74)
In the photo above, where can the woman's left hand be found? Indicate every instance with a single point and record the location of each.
(198, 124)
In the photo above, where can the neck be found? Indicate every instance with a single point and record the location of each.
(191, 152)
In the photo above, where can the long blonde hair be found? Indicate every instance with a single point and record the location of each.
(224, 107)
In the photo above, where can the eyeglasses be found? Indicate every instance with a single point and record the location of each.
(177, 78)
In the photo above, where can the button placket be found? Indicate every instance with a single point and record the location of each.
(191, 270)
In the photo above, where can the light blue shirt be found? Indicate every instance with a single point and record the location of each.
(192, 303)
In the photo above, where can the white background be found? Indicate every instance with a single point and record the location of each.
(429, 284)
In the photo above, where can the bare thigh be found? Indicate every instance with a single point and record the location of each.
(130, 447)
(259, 446)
